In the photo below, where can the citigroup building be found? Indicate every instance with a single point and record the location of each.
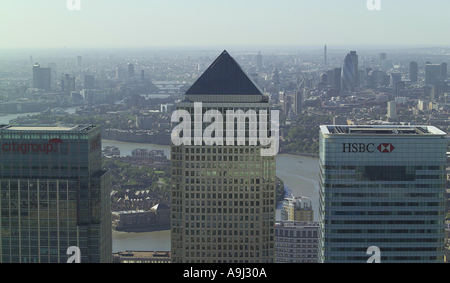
(383, 187)
(53, 194)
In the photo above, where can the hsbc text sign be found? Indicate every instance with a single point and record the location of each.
(367, 147)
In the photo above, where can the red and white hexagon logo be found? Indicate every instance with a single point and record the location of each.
(385, 147)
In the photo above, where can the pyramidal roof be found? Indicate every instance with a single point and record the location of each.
(224, 76)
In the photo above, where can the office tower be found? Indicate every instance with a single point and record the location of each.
(394, 78)
(67, 83)
(355, 67)
(53, 194)
(413, 71)
(330, 77)
(297, 209)
(382, 57)
(391, 110)
(432, 73)
(348, 74)
(296, 242)
(298, 99)
(325, 56)
(443, 71)
(259, 63)
(223, 196)
(324, 78)
(78, 63)
(142, 75)
(53, 70)
(42, 77)
(120, 73)
(382, 186)
(434, 95)
(130, 70)
(339, 120)
(336, 79)
(89, 82)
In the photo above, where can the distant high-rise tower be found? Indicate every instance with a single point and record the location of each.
(348, 74)
(142, 75)
(42, 77)
(67, 83)
(130, 70)
(443, 71)
(325, 56)
(259, 63)
(355, 67)
(298, 98)
(336, 79)
(382, 57)
(79, 61)
(432, 73)
(391, 109)
(413, 71)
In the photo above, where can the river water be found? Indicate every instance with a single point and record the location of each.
(300, 176)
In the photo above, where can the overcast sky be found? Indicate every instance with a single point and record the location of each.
(180, 23)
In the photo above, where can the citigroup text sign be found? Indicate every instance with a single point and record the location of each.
(215, 117)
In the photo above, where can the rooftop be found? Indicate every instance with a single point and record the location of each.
(380, 130)
(224, 76)
(75, 128)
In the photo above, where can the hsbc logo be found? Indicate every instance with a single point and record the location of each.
(385, 147)
(369, 147)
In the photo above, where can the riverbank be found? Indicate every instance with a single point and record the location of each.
(305, 154)
(139, 229)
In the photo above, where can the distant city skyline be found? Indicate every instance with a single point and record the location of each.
(139, 23)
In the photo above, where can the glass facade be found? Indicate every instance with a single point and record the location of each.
(223, 197)
(384, 187)
(53, 195)
(348, 74)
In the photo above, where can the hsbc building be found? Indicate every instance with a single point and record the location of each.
(382, 186)
(53, 194)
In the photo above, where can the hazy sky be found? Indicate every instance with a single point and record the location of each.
(177, 23)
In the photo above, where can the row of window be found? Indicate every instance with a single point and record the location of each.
(388, 249)
(385, 195)
(386, 203)
(385, 240)
(218, 150)
(225, 196)
(384, 222)
(344, 167)
(387, 258)
(387, 231)
(384, 213)
(436, 185)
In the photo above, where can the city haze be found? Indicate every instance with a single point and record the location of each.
(139, 23)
